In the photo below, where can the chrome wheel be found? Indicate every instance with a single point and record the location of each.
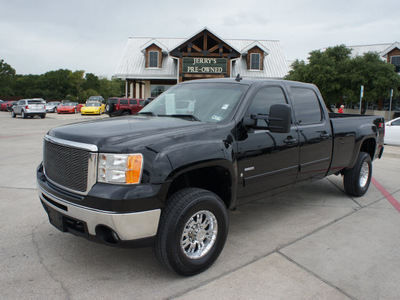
(364, 174)
(199, 234)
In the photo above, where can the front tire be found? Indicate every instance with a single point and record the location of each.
(357, 179)
(192, 231)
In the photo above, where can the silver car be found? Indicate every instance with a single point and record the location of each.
(29, 108)
(52, 106)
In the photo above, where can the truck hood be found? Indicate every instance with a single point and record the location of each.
(127, 134)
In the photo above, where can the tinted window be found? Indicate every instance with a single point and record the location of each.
(264, 98)
(306, 106)
(132, 102)
(112, 100)
(396, 123)
(123, 101)
(34, 102)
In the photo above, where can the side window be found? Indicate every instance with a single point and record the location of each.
(263, 100)
(307, 108)
(21, 102)
(123, 101)
(396, 123)
(134, 102)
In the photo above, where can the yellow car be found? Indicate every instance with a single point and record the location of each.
(93, 108)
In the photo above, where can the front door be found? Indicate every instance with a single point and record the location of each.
(266, 160)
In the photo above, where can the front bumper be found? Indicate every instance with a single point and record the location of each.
(119, 228)
(90, 112)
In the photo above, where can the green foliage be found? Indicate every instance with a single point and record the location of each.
(86, 94)
(339, 77)
(7, 75)
(57, 85)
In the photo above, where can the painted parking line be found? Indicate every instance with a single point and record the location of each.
(386, 194)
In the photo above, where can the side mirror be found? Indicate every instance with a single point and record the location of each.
(280, 116)
(278, 120)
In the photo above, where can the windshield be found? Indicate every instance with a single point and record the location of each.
(92, 104)
(206, 102)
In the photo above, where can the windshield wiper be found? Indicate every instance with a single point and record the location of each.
(150, 113)
(183, 116)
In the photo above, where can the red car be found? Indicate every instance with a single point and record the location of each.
(67, 108)
(4, 105)
(79, 106)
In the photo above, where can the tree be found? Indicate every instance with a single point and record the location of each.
(57, 85)
(339, 77)
(91, 82)
(7, 74)
(111, 88)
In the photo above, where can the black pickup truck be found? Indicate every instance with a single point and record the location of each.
(167, 176)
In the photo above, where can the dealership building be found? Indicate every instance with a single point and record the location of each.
(149, 66)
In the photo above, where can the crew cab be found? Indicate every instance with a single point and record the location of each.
(167, 176)
(123, 106)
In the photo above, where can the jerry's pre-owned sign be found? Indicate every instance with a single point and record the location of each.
(204, 65)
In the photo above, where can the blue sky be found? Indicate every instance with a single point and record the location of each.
(43, 35)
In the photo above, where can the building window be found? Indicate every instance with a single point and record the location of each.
(395, 60)
(153, 59)
(158, 89)
(255, 61)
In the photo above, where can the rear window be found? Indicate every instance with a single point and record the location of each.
(35, 102)
(123, 101)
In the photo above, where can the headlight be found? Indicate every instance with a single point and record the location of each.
(120, 168)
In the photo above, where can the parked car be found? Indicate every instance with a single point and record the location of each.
(12, 104)
(123, 106)
(67, 108)
(79, 107)
(29, 108)
(392, 132)
(52, 106)
(3, 105)
(167, 179)
(93, 108)
(95, 99)
(7, 105)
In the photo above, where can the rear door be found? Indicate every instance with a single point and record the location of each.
(19, 106)
(266, 160)
(314, 132)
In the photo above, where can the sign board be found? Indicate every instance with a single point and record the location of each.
(204, 65)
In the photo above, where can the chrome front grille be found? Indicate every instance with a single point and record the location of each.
(69, 165)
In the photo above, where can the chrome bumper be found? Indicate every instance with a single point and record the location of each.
(128, 226)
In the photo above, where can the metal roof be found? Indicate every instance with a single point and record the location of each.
(360, 50)
(132, 63)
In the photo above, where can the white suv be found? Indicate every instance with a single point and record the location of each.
(29, 108)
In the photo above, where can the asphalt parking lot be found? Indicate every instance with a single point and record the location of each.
(313, 242)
